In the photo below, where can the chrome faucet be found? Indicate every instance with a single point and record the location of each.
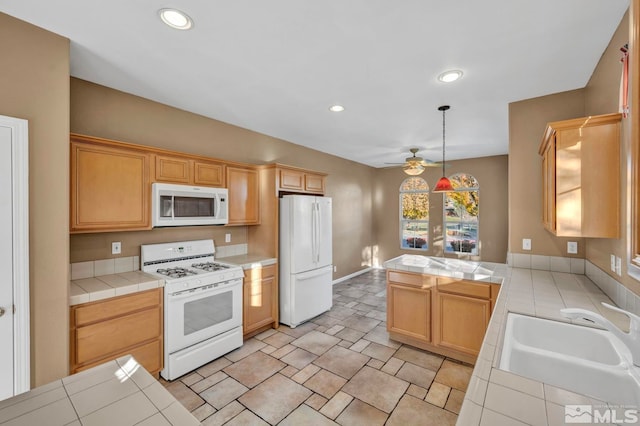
(630, 339)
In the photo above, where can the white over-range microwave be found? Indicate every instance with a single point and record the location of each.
(187, 205)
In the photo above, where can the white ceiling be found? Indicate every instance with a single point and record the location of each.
(276, 66)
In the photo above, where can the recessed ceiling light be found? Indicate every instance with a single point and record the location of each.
(175, 19)
(450, 76)
(336, 108)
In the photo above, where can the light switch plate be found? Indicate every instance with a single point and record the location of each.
(227, 238)
(618, 266)
(613, 263)
(526, 244)
(572, 247)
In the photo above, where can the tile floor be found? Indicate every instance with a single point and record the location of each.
(340, 368)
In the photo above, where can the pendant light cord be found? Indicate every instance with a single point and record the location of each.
(443, 133)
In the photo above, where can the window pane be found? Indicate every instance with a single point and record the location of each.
(415, 206)
(463, 180)
(462, 237)
(415, 235)
(462, 206)
(414, 184)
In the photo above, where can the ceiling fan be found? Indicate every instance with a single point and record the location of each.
(415, 165)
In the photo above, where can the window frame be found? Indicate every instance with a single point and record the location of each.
(444, 216)
(401, 218)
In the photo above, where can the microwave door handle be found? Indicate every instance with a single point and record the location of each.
(216, 213)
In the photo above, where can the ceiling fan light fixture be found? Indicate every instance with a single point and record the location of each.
(176, 19)
(336, 108)
(450, 76)
(413, 169)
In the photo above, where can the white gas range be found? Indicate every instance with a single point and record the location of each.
(202, 303)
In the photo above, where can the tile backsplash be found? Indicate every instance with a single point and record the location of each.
(117, 265)
(97, 268)
(621, 295)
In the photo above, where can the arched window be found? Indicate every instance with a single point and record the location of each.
(461, 209)
(414, 214)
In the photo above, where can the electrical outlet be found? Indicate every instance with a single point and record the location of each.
(618, 266)
(227, 238)
(526, 244)
(613, 263)
(335, 268)
(572, 247)
(116, 247)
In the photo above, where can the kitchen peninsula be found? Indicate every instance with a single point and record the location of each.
(441, 305)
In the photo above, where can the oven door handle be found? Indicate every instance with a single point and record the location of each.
(188, 293)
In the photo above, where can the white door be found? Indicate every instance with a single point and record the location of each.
(14, 257)
(6, 267)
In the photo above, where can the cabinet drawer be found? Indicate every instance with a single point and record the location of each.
(109, 337)
(465, 288)
(102, 310)
(413, 279)
(148, 355)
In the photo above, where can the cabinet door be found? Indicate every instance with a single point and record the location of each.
(314, 183)
(172, 169)
(244, 198)
(260, 298)
(549, 187)
(462, 322)
(208, 174)
(409, 311)
(292, 180)
(110, 188)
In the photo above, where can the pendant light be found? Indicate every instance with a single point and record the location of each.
(444, 184)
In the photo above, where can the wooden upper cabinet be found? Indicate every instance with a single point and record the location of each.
(208, 173)
(110, 188)
(172, 169)
(581, 177)
(182, 170)
(292, 179)
(244, 196)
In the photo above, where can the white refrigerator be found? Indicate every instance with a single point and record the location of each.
(306, 270)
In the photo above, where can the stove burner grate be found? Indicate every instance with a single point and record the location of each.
(210, 266)
(176, 272)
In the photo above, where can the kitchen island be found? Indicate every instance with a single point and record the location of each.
(441, 305)
(119, 392)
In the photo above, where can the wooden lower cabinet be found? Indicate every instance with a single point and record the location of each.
(409, 311)
(443, 315)
(108, 329)
(260, 299)
(462, 322)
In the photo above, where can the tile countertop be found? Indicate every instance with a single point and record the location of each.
(495, 397)
(248, 261)
(446, 267)
(119, 392)
(106, 286)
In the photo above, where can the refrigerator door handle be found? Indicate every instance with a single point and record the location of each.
(314, 241)
(317, 206)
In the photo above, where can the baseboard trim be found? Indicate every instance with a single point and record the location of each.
(355, 274)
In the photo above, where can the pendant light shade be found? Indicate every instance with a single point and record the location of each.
(444, 184)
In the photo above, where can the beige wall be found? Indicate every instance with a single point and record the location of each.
(527, 120)
(491, 173)
(34, 85)
(103, 112)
